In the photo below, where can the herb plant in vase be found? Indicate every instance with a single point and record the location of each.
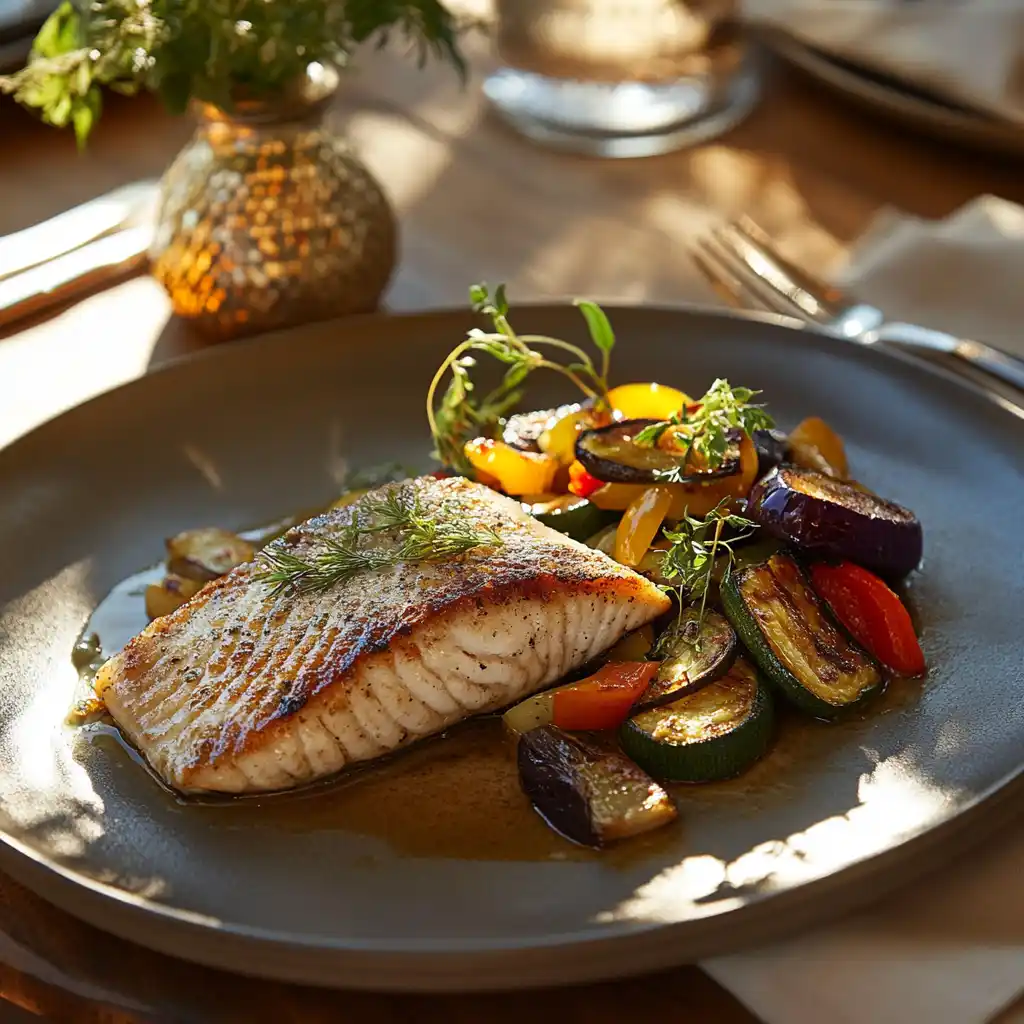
(267, 217)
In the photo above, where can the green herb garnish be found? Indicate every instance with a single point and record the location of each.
(212, 52)
(690, 562)
(460, 416)
(387, 529)
(706, 431)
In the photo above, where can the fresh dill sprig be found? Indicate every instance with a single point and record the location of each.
(460, 416)
(419, 536)
(690, 561)
(703, 432)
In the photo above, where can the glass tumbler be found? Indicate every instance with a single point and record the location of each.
(621, 78)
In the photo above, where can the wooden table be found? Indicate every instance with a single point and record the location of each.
(475, 203)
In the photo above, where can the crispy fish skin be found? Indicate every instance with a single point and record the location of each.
(241, 690)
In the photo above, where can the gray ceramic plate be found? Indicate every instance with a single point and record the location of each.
(338, 889)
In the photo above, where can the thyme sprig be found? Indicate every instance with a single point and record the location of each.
(689, 564)
(418, 535)
(460, 416)
(704, 431)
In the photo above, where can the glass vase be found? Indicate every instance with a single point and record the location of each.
(268, 219)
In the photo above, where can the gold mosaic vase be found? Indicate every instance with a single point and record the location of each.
(268, 219)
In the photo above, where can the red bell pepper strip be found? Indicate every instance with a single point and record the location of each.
(872, 613)
(604, 700)
(582, 483)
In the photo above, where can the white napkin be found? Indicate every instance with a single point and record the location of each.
(951, 949)
(970, 53)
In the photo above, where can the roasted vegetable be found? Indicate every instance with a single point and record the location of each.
(787, 631)
(872, 614)
(640, 524)
(713, 734)
(206, 554)
(813, 444)
(524, 430)
(828, 518)
(170, 594)
(691, 657)
(694, 499)
(575, 517)
(559, 437)
(609, 454)
(603, 700)
(647, 401)
(633, 646)
(516, 472)
(588, 794)
(772, 447)
(582, 483)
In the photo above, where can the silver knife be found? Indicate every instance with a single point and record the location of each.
(125, 207)
(102, 262)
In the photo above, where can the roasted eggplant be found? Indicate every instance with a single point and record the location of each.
(772, 447)
(170, 594)
(796, 644)
(589, 794)
(610, 454)
(692, 657)
(713, 734)
(205, 554)
(827, 518)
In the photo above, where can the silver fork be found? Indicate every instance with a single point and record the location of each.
(741, 261)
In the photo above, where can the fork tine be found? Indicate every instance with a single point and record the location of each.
(751, 262)
(722, 254)
(724, 282)
(829, 299)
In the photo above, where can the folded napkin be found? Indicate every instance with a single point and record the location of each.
(969, 53)
(950, 950)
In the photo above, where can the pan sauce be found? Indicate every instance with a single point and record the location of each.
(456, 795)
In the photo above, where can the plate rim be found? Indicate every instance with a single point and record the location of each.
(74, 890)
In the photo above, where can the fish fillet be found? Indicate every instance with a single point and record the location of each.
(244, 690)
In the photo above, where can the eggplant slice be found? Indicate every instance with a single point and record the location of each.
(772, 447)
(610, 454)
(693, 657)
(827, 518)
(586, 793)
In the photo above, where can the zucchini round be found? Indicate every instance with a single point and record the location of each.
(575, 517)
(785, 627)
(713, 734)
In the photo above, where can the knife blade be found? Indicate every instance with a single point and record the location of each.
(51, 239)
(104, 261)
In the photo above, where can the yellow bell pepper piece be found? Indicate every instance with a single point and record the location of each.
(640, 524)
(633, 646)
(815, 445)
(647, 401)
(559, 439)
(516, 472)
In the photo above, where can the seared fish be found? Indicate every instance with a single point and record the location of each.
(245, 690)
